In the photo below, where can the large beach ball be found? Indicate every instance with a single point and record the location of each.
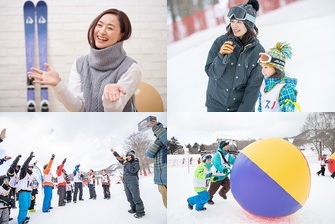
(271, 178)
(331, 163)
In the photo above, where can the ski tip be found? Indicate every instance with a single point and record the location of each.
(28, 4)
(41, 3)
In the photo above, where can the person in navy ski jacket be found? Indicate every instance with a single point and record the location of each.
(131, 166)
(234, 77)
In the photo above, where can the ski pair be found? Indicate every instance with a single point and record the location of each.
(29, 12)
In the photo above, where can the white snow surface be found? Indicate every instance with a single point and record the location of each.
(101, 211)
(319, 208)
(308, 25)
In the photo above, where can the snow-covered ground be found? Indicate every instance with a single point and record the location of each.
(319, 207)
(307, 24)
(99, 211)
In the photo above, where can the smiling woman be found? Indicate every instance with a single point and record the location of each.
(104, 80)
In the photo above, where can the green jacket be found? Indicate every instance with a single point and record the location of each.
(200, 182)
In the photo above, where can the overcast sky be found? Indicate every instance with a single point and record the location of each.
(205, 128)
(84, 138)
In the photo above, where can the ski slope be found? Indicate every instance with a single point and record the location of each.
(307, 24)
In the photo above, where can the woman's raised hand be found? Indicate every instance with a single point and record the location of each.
(112, 92)
(49, 77)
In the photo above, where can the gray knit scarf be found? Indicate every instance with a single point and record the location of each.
(100, 68)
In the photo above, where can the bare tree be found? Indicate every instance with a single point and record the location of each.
(140, 142)
(322, 129)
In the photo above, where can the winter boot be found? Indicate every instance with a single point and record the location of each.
(210, 202)
(189, 205)
(139, 215)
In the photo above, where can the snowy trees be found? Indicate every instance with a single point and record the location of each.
(140, 142)
(321, 129)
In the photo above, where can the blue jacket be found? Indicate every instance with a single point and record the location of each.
(158, 151)
(223, 170)
(233, 85)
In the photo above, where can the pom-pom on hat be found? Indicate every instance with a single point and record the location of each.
(245, 12)
(277, 56)
(131, 153)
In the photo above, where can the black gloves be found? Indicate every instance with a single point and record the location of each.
(64, 161)
(31, 155)
(52, 156)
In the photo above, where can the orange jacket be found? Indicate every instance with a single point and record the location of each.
(47, 176)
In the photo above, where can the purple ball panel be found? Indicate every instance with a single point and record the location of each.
(258, 193)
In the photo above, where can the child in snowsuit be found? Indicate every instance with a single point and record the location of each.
(201, 180)
(222, 161)
(91, 185)
(105, 182)
(34, 192)
(278, 92)
(131, 167)
(12, 173)
(4, 201)
(69, 190)
(323, 163)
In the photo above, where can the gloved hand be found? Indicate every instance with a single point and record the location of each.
(77, 166)
(227, 47)
(64, 161)
(7, 158)
(208, 175)
(52, 156)
(227, 170)
(31, 155)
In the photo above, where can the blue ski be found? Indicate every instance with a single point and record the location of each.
(42, 30)
(29, 31)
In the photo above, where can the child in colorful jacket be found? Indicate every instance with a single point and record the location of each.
(222, 161)
(201, 180)
(278, 92)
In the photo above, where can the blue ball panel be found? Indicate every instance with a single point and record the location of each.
(258, 193)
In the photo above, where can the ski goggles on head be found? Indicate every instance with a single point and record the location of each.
(240, 13)
(264, 58)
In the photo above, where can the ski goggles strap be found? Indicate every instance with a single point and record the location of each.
(240, 13)
(264, 58)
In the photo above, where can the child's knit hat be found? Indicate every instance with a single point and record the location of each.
(278, 55)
